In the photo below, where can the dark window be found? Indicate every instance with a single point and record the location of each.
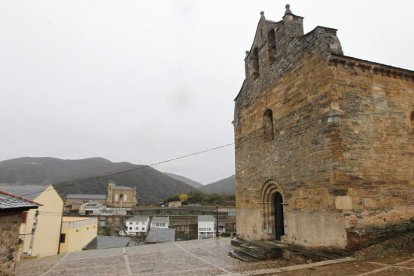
(24, 217)
(412, 118)
(62, 238)
(271, 44)
(268, 124)
(255, 63)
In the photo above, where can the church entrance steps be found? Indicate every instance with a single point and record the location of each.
(237, 254)
(264, 250)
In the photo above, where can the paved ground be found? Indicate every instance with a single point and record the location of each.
(201, 257)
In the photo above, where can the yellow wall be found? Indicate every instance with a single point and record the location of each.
(26, 230)
(46, 237)
(78, 233)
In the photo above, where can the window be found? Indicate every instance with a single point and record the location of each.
(268, 125)
(255, 63)
(271, 44)
(130, 228)
(130, 223)
(412, 118)
(116, 197)
(143, 228)
(136, 228)
(62, 238)
(24, 217)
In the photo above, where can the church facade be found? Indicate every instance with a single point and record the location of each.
(121, 196)
(324, 141)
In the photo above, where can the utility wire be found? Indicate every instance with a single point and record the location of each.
(138, 167)
(161, 162)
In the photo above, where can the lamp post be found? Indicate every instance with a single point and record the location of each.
(217, 226)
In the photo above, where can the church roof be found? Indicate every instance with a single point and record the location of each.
(85, 196)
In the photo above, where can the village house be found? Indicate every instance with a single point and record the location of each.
(91, 208)
(77, 232)
(137, 225)
(160, 222)
(74, 201)
(114, 211)
(12, 214)
(40, 231)
(324, 141)
(175, 204)
(206, 227)
(185, 227)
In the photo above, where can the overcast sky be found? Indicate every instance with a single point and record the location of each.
(145, 81)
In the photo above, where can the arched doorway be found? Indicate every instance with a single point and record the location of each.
(278, 212)
(272, 209)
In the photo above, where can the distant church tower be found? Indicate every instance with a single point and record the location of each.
(121, 196)
(324, 142)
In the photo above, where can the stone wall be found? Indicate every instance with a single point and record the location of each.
(342, 148)
(374, 170)
(9, 241)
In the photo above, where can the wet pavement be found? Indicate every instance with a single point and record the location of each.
(197, 257)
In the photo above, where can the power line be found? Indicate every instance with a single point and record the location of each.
(148, 166)
(162, 162)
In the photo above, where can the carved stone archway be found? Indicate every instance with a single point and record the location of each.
(269, 190)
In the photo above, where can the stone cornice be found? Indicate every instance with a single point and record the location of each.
(372, 67)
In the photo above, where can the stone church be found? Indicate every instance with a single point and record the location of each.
(324, 141)
(121, 196)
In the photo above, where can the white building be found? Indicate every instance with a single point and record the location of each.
(114, 211)
(137, 225)
(160, 222)
(91, 208)
(206, 227)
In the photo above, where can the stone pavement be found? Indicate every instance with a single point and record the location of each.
(198, 257)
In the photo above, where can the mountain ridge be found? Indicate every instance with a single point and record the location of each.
(223, 186)
(91, 175)
(186, 180)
